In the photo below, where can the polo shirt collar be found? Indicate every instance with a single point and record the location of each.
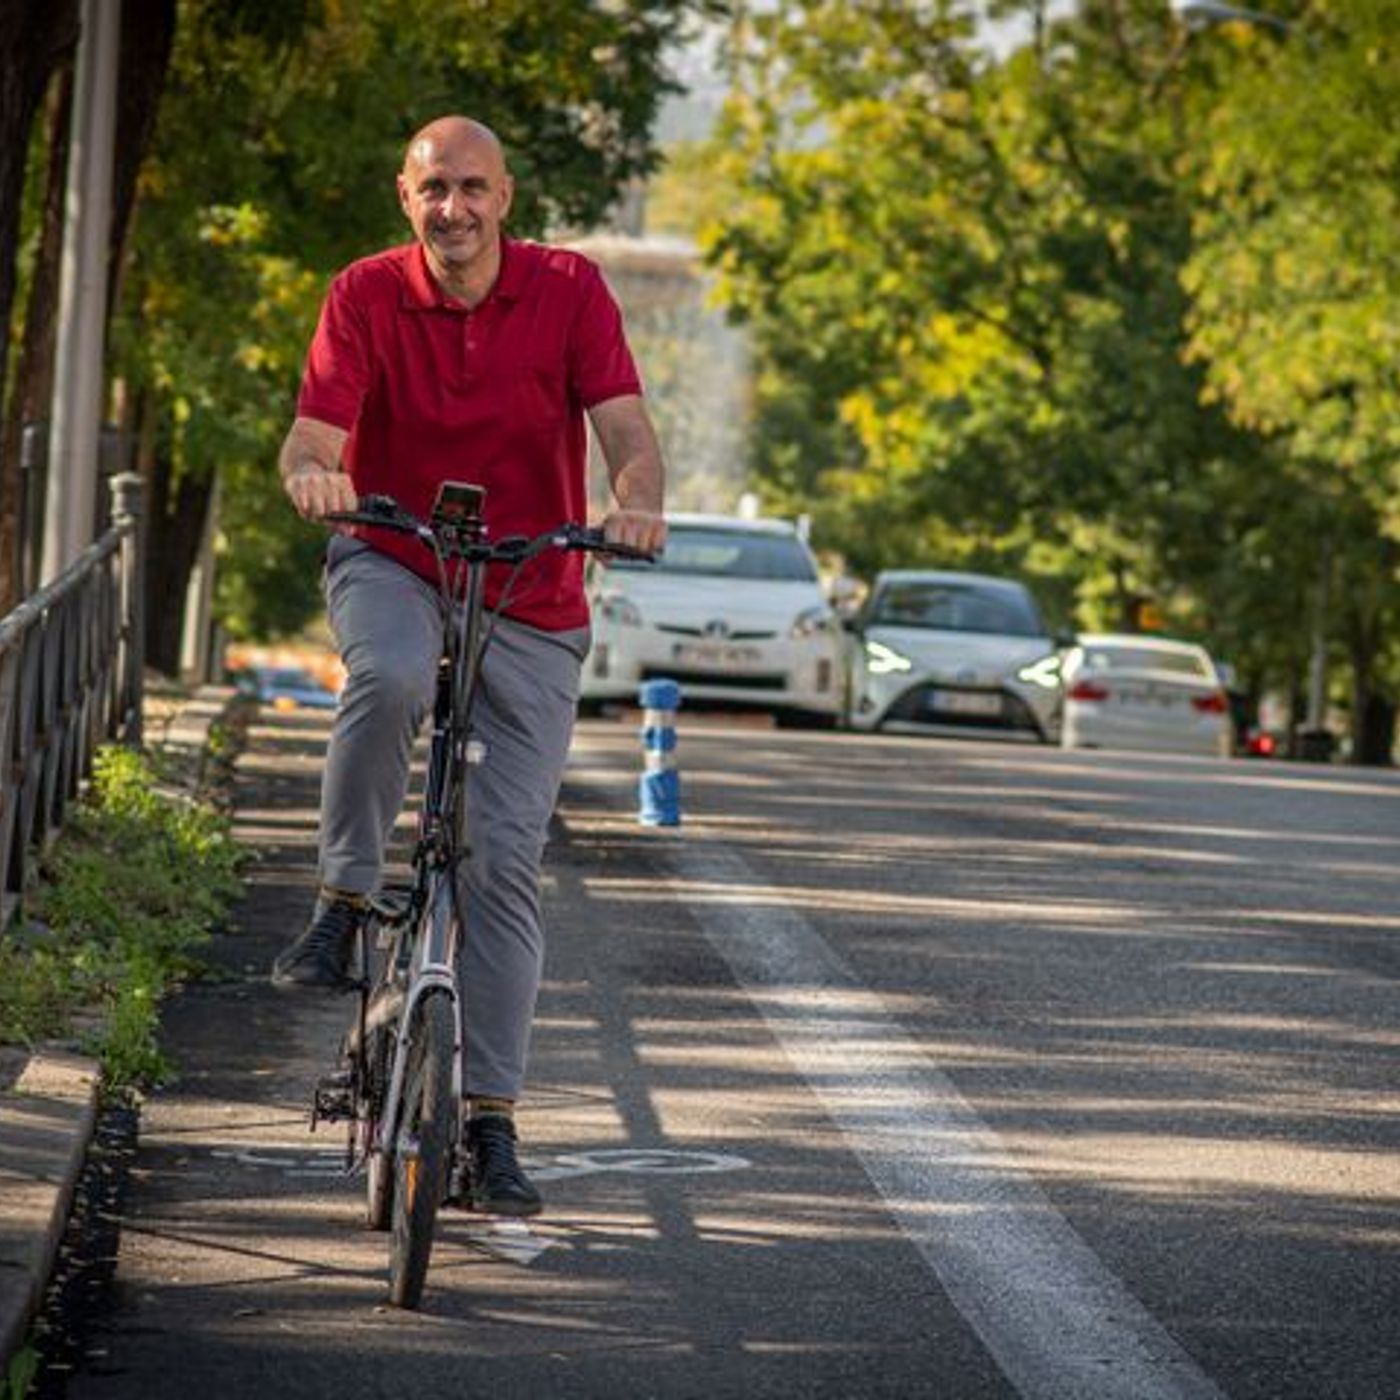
(422, 293)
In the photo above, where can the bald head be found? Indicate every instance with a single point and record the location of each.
(447, 135)
(456, 193)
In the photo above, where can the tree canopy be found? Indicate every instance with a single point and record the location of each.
(1098, 311)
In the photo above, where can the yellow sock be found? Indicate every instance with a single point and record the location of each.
(477, 1104)
(332, 896)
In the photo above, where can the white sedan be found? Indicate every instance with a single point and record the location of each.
(1123, 691)
(942, 652)
(733, 610)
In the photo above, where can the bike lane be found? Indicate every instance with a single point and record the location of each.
(708, 1229)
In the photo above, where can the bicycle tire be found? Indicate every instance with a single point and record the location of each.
(379, 1189)
(422, 1146)
(376, 1060)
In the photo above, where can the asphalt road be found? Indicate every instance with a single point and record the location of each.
(904, 1068)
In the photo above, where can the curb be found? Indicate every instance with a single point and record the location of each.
(48, 1115)
(46, 1122)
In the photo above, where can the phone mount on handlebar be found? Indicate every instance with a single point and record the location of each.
(457, 509)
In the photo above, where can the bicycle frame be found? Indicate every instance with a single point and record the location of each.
(401, 1126)
(431, 925)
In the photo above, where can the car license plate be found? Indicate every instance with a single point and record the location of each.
(964, 702)
(723, 656)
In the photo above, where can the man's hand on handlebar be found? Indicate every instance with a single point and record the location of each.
(641, 530)
(316, 492)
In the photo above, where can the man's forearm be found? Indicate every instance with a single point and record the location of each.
(309, 465)
(639, 483)
(310, 446)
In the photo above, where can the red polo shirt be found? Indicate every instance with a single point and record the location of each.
(430, 391)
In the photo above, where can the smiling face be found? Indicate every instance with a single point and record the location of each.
(456, 193)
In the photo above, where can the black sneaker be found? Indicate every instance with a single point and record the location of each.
(320, 957)
(493, 1181)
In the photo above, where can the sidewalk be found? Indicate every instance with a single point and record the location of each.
(49, 1097)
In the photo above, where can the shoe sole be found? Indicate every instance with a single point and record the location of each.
(514, 1209)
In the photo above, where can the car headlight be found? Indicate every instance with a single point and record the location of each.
(881, 660)
(1045, 672)
(813, 621)
(617, 607)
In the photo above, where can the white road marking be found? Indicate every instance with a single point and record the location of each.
(510, 1240)
(644, 1161)
(1059, 1323)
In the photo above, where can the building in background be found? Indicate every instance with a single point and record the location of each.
(694, 364)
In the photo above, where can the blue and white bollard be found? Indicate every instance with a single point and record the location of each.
(660, 785)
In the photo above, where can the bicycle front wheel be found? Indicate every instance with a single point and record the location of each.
(422, 1145)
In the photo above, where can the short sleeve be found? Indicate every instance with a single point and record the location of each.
(337, 373)
(600, 363)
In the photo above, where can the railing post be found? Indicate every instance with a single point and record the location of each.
(128, 515)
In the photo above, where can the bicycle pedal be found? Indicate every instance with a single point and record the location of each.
(391, 906)
(333, 1099)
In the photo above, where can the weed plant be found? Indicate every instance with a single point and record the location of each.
(127, 894)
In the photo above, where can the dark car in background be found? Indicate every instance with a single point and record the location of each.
(284, 688)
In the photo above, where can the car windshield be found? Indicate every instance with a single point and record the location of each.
(1180, 663)
(957, 607)
(721, 553)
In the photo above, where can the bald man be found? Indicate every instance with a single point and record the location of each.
(462, 355)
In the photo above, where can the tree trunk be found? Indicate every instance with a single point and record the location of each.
(35, 37)
(175, 529)
(148, 34)
(30, 401)
(1372, 714)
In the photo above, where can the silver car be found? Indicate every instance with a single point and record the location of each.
(733, 610)
(939, 651)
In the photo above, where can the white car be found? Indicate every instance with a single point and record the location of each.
(733, 610)
(939, 651)
(1124, 691)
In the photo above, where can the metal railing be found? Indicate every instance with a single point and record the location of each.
(71, 660)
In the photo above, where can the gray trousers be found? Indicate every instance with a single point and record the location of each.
(388, 626)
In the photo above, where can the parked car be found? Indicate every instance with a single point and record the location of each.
(1131, 692)
(733, 610)
(284, 687)
(938, 651)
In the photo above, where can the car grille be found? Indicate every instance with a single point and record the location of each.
(736, 636)
(913, 708)
(728, 679)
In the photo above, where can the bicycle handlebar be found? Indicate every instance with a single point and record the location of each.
(385, 513)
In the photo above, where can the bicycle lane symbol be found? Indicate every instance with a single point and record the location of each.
(513, 1240)
(641, 1161)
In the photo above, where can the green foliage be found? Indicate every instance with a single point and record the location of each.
(1005, 314)
(128, 893)
(20, 1375)
(1295, 271)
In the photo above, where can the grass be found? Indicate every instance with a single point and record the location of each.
(125, 897)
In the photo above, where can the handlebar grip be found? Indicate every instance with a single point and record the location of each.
(379, 505)
(383, 511)
(596, 541)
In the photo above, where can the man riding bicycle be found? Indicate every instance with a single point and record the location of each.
(463, 355)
